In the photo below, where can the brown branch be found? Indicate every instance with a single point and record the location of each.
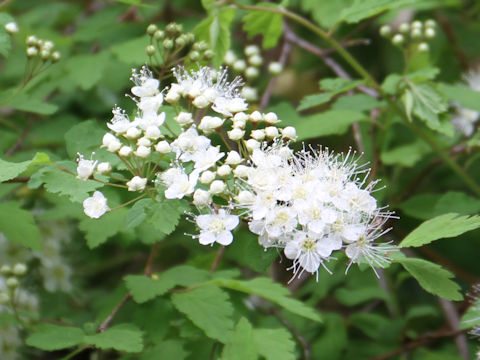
(104, 325)
(218, 258)
(452, 39)
(18, 144)
(453, 320)
(5, 3)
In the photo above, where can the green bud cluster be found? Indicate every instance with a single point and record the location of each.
(43, 49)
(172, 43)
(415, 34)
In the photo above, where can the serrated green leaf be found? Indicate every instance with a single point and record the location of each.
(313, 100)
(5, 42)
(97, 231)
(241, 344)
(138, 213)
(132, 52)
(18, 225)
(165, 215)
(54, 337)
(357, 102)
(471, 318)
(405, 155)
(208, 308)
(9, 170)
(427, 104)
(333, 339)
(124, 337)
(28, 103)
(274, 344)
(276, 293)
(440, 227)
(83, 138)
(325, 12)
(86, 70)
(264, 23)
(433, 278)
(168, 349)
(466, 97)
(353, 297)
(332, 87)
(363, 9)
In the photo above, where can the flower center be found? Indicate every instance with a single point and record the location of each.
(308, 245)
(217, 226)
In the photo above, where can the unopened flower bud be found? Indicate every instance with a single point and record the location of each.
(207, 177)
(159, 35)
(180, 42)
(163, 147)
(144, 141)
(245, 197)
(12, 282)
(208, 54)
(423, 47)
(4, 298)
(275, 68)
(416, 33)
(151, 29)
(20, 269)
(200, 46)
(251, 72)
(271, 132)
(258, 134)
(404, 28)
(5, 270)
(255, 60)
(230, 57)
(239, 65)
(233, 158)
(241, 171)
(11, 27)
(56, 56)
(142, 151)
(201, 102)
(137, 184)
(125, 151)
(45, 54)
(32, 40)
(236, 134)
(104, 168)
(133, 133)
(271, 118)
(430, 33)
(48, 45)
(202, 198)
(194, 55)
(150, 50)
(430, 23)
(172, 97)
(385, 31)
(249, 93)
(184, 118)
(398, 39)
(252, 144)
(168, 44)
(289, 132)
(256, 116)
(417, 24)
(217, 187)
(224, 170)
(32, 51)
(153, 132)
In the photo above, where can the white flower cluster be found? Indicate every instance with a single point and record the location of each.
(464, 119)
(311, 204)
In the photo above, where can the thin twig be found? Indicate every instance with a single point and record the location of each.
(453, 320)
(104, 325)
(305, 344)
(18, 144)
(218, 258)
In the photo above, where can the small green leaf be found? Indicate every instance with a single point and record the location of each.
(209, 308)
(405, 155)
(131, 52)
(51, 337)
(97, 231)
(274, 344)
(138, 213)
(124, 337)
(427, 104)
(241, 344)
(83, 138)
(440, 227)
(165, 215)
(264, 23)
(9, 170)
(27, 103)
(86, 70)
(433, 278)
(363, 9)
(167, 349)
(471, 318)
(5, 42)
(466, 97)
(18, 225)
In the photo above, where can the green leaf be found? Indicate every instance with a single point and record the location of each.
(333, 339)
(28, 103)
(353, 297)
(427, 104)
(264, 23)
(325, 12)
(357, 102)
(5, 42)
(51, 337)
(433, 278)
(276, 293)
(466, 97)
(83, 138)
(18, 225)
(168, 349)
(405, 155)
(97, 231)
(165, 215)
(131, 52)
(63, 183)
(86, 70)
(208, 308)
(124, 337)
(440, 227)
(274, 344)
(363, 9)
(9, 170)
(471, 318)
(138, 213)
(241, 344)
(215, 30)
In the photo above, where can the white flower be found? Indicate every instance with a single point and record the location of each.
(229, 106)
(145, 84)
(153, 132)
(181, 184)
(224, 170)
(150, 104)
(85, 168)
(206, 159)
(120, 122)
(96, 205)
(137, 183)
(306, 253)
(216, 227)
(464, 120)
(189, 143)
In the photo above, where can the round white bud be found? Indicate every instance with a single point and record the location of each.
(245, 197)
(416, 33)
(230, 57)
(125, 151)
(430, 23)
(249, 93)
(153, 132)
(271, 118)
(32, 51)
(252, 144)
(107, 139)
(256, 116)
(271, 132)
(430, 33)
(31, 40)
(143, 141)
(275, 68)
(150, 50)
(114, 145)
(258, 134)
(251, 72)
(184, 118)
(20, 269)
(385, 31)
(56, 56)
(12, 282)
(137, 184)
(143, 151)
(236, 134)
(5, 270)
(289, 132)
(252, 50)
(255, 60)
(233, 158)
(4, 298)
(207, 177)
(417, 24)
(202, 198)
(163, 147)
(224, 170)
(241, 171)
(217, 187)
(404, 27)
(172, 96)
(423, 47)
(201, 102)
(104, 168)
(209, 123)
(239, 65)
(11, 27)
(398, 39)
(133, 133)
